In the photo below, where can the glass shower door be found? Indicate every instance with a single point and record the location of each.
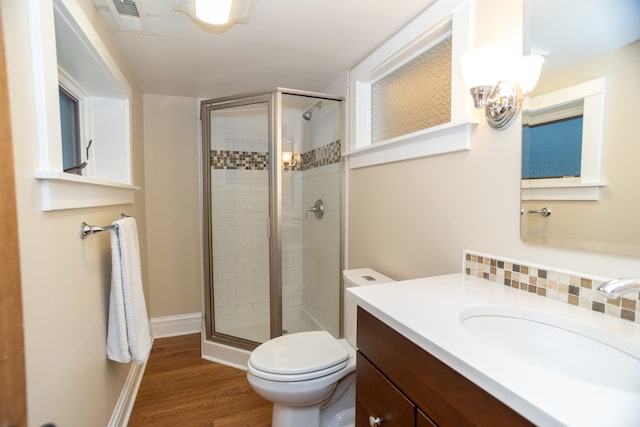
(311, 210)
(239, 210)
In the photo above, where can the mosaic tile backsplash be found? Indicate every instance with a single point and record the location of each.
(567, 287)
(250, 160)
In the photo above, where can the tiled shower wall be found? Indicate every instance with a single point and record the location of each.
(240, 249)
(564, 286)
(321, 267)
(291, 245)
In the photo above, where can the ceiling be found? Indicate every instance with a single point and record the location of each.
(300, 44)
(570, 31)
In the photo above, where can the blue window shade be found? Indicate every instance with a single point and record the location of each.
(69, 127)
(552, 150)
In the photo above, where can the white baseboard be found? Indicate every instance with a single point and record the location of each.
(180, 324)
(225, 355)
(124, 406)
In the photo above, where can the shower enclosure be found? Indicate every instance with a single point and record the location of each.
(272, 215)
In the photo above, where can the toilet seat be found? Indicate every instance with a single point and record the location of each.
(298, 357)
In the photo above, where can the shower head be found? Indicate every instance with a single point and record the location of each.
(307, 114)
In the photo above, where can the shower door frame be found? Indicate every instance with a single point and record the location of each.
(273, 221)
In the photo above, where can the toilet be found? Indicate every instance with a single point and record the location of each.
(310, 376)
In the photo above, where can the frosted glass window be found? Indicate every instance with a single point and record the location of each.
(552, 150)
(414, 97)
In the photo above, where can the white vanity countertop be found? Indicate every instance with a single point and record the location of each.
(427, 312)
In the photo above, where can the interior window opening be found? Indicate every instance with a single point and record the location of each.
(70, 132)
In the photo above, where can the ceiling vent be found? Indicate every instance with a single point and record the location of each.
(129, 15)
(127, 8)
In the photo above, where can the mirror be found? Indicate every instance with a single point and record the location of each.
(590, 77)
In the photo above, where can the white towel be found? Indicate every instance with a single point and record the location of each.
(128, 337)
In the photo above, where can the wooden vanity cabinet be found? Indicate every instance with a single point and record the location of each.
(377, 397)
(404, 385)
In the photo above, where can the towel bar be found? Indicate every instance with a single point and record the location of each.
(86, 229)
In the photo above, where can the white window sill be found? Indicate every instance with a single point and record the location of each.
(446, 138)
(550, 189)
(68, 191)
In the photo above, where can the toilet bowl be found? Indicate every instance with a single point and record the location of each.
(310, 376)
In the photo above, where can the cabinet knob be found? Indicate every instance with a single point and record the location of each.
(375, 421)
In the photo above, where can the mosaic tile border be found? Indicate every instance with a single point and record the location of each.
(253, 160)
(247, 160)
(568, 287)
(323, 156)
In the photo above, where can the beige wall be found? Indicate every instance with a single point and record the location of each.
(406, 219)
(611, 222)
(414, 218)
(65, 280)
(172, 203)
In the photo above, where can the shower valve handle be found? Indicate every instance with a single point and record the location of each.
(317, 209)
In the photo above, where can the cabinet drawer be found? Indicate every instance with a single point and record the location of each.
(376, 396)
(441, 392)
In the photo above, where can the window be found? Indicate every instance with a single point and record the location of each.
(414, 97)
(70, 132)
(553, 149)
(578, 177)
(82, 101)
(408, 97)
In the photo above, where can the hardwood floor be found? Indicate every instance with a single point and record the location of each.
(181, 389)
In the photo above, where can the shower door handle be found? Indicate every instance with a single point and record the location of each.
(317, 209)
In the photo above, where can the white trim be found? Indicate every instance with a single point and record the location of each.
(445, 17)
(180, 324)
(68, 191)
(124, 405)
(114, 80)
(446, 138)
(225, 355)
(532, 190)
(566, 95)
(104, 104)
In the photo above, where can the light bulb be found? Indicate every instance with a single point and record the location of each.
(215, 12)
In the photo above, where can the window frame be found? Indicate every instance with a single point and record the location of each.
(592, 93)
(105, 99)
(440, 20)
(76, 134)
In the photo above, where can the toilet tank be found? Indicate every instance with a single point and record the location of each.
(357, 277)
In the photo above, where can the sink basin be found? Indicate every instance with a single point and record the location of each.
(564, 347)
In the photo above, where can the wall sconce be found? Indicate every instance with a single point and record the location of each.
(289, 160)
(498, 81)
(215, 16)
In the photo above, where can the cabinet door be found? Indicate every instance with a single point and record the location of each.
(423, 421)
(376, 397)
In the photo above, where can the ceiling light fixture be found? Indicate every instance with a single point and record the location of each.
(498, 81)
(214, 12)
(215, 15)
